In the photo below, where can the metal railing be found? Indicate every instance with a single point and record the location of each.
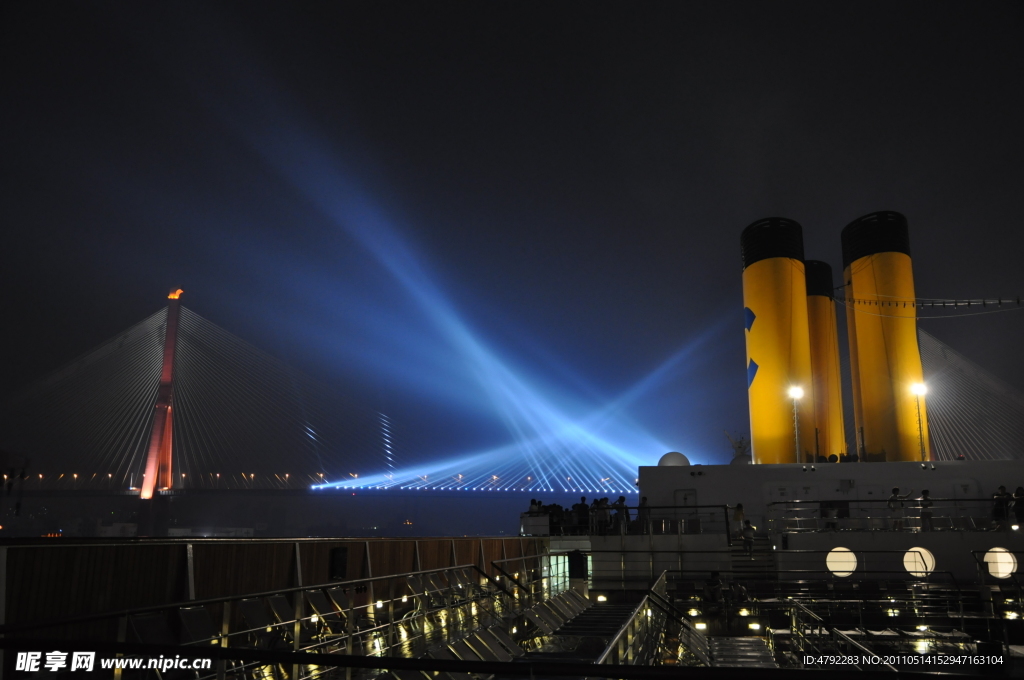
(395, 615)
(630, 521)
(999, 567)
(936, 514)
(810, 633)
(691, 640)
(530, 579)
(637, 641)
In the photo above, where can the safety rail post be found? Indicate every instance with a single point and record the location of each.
(122, 635)
(297, 630)
(349, 634)
(449, 608)
(728, 529)
(391, 615)
(225, 626)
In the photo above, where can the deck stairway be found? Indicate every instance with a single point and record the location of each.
(568, 628)
(742, 652)
(601, 620)
(581, 637)
(759, 565)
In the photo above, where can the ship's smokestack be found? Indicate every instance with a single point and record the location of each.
(830, 437)
(778, 343)
(885, 361)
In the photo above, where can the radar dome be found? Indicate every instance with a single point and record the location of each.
(673, 458)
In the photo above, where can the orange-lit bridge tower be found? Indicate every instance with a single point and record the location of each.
(159, 461)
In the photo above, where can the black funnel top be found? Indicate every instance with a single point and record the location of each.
(880, 232)
(819, 278)
(772, 237)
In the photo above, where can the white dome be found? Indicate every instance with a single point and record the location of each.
(673, 458)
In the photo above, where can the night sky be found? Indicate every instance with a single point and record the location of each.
(366, 190)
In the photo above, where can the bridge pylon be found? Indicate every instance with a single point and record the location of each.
(159, 461)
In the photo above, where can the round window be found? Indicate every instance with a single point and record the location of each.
(1001, 562)
(841, 561)
(919, 561)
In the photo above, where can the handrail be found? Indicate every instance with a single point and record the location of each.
(909, 501)
(808, 612)
(524, 587)
(595, 521)
(82, 618)
(986, 571)
(624, 629)
(865, 652)
(685, 624)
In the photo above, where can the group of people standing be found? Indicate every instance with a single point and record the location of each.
(1005, 507)
(599, 517)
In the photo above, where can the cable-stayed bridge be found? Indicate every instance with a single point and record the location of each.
(970, 411)
(243, 419)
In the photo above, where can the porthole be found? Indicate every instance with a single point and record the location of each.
(841, 561)
(1001, 562)
(919, 561)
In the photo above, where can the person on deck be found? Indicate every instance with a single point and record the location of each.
(737, 519)
(895, 505)
(1001, 509)
(748, 538)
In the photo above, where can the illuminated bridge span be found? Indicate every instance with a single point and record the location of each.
(180, 403)
(233, 417)
(241, 418)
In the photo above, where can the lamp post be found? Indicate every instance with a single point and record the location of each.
(796, 394)
(919, 390)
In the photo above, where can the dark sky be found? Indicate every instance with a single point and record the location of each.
(368, 189)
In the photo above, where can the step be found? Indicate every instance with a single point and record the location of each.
(740, 652)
